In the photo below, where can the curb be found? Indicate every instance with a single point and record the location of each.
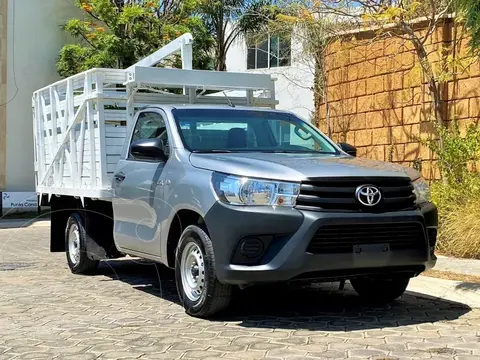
(458, 266)
(23, 223)
(450, 290)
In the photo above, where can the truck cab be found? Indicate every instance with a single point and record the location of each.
(273, 200)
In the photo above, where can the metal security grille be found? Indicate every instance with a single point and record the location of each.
(339, 194)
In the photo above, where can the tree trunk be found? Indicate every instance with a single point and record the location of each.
(433, 86)
(220, 59)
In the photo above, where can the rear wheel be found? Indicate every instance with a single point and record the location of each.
(380, 290)
(200, 291)
(76, 248)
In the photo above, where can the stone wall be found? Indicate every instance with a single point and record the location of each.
(378, 100)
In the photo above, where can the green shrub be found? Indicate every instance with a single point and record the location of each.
(459, 211)
(457, 196)
(457, 154)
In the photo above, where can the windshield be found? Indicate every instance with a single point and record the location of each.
(223, 130)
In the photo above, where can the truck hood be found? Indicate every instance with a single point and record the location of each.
(297, 167)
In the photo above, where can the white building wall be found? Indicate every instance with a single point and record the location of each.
(34, 42)
(294, 83)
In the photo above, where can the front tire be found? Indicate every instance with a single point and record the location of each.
(380, 290)
(76, 246)
(201, 293)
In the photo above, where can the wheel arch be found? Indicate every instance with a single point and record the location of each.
(181, 219)
(93, 214)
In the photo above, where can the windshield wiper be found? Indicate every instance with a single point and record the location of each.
(213, 151)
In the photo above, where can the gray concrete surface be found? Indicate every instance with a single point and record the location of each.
(130, 310)
(459, 266)
(23, 223)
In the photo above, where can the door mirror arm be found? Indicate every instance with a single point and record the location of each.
(349, 149)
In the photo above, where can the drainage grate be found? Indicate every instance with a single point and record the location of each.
(13, 266)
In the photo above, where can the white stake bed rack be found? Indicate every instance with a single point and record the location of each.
(80, 123)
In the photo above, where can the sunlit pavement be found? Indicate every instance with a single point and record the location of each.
(130, 310)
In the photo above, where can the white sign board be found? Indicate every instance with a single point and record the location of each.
(20, 200)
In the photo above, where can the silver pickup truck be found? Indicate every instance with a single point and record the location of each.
(234, 196)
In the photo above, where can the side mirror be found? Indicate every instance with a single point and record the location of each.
(148, 149)
(349, 149)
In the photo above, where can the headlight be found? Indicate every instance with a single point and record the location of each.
(245, 191)
(422, 190)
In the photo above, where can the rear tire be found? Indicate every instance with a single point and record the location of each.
(76, 248)
(201, 293)
(380, 290)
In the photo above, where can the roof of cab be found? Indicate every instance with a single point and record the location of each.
(222, 107)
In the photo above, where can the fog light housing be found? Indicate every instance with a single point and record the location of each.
(251, 247)
(250, 250)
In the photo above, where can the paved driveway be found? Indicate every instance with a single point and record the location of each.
(130, 310)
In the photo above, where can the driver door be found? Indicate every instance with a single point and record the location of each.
(138, 192)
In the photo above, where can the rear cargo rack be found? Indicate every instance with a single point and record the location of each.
(80, 123)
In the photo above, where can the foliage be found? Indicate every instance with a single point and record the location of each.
(226, 20)
(387, 20)
(457, 155)
(459, 211)
(470, 9)
(458, 195)
(117, 33)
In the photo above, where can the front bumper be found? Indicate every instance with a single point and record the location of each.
(288, 233)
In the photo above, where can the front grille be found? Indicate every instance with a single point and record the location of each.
(335, 239)
(339, 194)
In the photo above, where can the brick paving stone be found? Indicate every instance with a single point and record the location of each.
(117, 355)
(328, 354)
(445, 340)
(292, 341)
(325, 340)
(366, 341)
(203, 354)
(85, 356)
(283, 353)
(466, 346)
(366, 353)
(263, 346)
(391, 348)
(345, 346)
(248, 355)
(34, 356)
(48, 313)
(229, 348)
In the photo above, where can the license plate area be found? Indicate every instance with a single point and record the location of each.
(371, 248)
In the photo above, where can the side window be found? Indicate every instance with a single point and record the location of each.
(151, 125)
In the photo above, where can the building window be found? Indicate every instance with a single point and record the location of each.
(273, 52)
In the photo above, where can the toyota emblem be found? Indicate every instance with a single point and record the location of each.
(368, 195)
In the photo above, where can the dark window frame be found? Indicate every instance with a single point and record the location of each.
(141, 114)
(253, 51)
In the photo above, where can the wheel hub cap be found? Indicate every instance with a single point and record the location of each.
(74, 244)
(192, 271)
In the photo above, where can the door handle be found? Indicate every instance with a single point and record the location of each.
(162, 182)
(119, 177)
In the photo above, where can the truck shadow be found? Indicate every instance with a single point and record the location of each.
(308, 307)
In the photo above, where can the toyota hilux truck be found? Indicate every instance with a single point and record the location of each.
(226, 190)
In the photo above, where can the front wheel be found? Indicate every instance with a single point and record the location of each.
(200, 291)
(380, 290)
(76, 245)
